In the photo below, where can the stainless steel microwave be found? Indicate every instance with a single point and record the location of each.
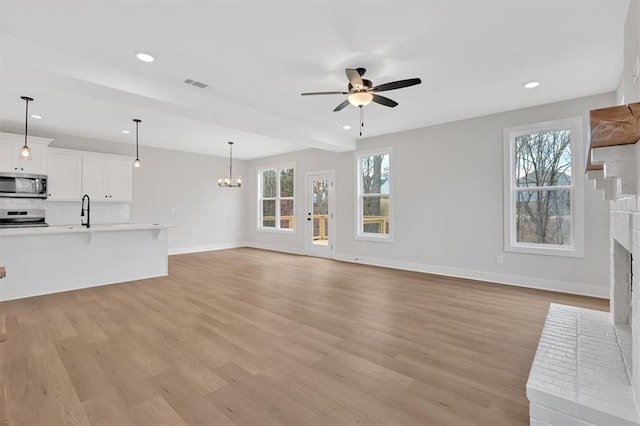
(19, 185)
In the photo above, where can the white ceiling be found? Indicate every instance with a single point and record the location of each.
(77, 59)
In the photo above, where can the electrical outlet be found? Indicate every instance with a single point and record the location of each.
(499, 260)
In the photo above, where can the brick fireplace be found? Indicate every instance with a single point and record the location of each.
(587, 366)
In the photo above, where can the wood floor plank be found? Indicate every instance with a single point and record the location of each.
(252, 337)
(153, 412)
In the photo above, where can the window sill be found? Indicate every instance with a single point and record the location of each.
(562, 251)
(277, 230)
(373, 237)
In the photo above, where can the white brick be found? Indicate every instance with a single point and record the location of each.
(578, 375)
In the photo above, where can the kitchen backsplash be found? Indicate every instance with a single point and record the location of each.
(68, 212)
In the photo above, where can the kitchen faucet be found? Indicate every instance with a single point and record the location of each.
(88, 210)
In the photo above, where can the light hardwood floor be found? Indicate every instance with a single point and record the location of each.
(255, 337)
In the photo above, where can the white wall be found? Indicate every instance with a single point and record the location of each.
(628, 89)
(305, 161)
(173, 187)
(181, 188)
(448, 205)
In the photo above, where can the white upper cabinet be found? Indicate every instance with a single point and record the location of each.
(10, 160)
(120, 179)
(107, 177)
(65, 173)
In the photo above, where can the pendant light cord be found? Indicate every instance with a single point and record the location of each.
(137, 157)
(230, 161)
(26, 119)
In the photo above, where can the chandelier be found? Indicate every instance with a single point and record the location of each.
(227, 180)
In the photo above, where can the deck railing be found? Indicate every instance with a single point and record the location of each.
(320, 221)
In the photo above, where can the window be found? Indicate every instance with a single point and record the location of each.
(276, 200)
(374, 195)
(544, 204)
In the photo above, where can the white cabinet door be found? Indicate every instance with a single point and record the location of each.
(64, 182)
(8, 157)
(107, 178)
(119, 180)
(10, 161)
(94, 178)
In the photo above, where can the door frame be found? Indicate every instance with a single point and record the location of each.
(308, 231)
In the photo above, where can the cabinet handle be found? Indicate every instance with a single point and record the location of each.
(106, 196)
(21, 168)
(15, 168)
(110, 196)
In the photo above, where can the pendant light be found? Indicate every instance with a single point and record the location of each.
(137, 164)
(25, 152)
(226, 181)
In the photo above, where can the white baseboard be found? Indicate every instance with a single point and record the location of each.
(282, 249)
(209, 247)
(514, 280)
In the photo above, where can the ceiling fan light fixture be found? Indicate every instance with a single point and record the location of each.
(360, 99)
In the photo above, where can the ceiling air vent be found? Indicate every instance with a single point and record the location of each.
(196, 83)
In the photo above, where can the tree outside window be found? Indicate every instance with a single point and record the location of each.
(276, 202)
(544, 196)
(374, 194)
(543, 187)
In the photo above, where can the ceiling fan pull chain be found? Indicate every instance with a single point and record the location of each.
(361, 119)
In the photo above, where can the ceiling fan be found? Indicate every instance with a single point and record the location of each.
(362, 91)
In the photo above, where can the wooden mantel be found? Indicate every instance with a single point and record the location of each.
(618, 125)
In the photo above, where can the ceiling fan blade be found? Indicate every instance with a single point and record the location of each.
(324, 93)
(397, 85)
(354, 78)
(384, 101)
(342, 106)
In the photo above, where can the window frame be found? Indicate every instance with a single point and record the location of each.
(278, 198)
(576, 248)
(359, 234)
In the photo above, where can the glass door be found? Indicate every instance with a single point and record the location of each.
(320, 215)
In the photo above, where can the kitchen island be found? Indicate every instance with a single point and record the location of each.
(60, 258)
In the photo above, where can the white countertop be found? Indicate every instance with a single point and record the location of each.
(67, 229)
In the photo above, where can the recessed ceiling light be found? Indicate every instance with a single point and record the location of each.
(126, 132)
(145, 57)
(531, 84)
(346, 127)
(38, 117)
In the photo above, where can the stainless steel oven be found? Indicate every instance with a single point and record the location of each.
(22, 218)
(18, 185)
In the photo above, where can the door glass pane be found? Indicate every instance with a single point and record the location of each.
(320, 212)
(269, 213)
(544, 217)
(286, 214)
